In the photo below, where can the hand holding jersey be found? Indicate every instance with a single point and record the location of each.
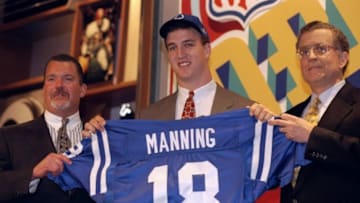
(53, 163)
(256, 110)
(228, 157)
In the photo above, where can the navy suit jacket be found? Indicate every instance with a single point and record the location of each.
(334, 149)
(224, 100)
(21, 148)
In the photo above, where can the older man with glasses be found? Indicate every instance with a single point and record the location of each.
(328, 121)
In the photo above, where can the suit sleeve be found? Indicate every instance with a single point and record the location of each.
(334, 148)
(14, 183)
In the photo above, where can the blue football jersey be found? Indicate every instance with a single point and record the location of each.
(228, 157)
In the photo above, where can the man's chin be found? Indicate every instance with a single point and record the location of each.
(60, 105)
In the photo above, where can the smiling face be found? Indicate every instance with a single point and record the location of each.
(188, 57)
(62, 88)
(321, 71)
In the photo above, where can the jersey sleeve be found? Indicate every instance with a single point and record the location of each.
(275, 158)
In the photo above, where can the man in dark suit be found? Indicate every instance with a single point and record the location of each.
(28, 152)
(333, 145)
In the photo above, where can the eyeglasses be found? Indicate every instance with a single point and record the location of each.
(317, 49)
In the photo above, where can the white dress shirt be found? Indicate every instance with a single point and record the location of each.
(203, 99)
(325, 97)
(73, 128)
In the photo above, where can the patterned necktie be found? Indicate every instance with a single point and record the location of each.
(63, 141)
(189, 107)
(312, 116)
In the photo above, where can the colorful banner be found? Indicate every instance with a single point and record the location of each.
(253, 43)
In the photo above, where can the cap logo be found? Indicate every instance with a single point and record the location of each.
(204, 31)
(183, 19)
(179, 17)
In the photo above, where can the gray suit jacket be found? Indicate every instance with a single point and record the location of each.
(224, 100)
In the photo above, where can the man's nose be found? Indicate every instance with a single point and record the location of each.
(180, 52)
(59, 82)
(312, 53)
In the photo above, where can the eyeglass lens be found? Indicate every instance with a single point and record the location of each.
(318, 50)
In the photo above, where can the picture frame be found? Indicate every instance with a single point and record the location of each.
(99, 40)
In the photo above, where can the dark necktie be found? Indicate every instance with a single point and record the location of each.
(312, 116)
(189, 107)
(63, 141)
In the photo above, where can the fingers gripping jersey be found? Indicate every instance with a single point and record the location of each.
(228, 157)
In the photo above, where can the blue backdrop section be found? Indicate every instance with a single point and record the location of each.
(355, 78)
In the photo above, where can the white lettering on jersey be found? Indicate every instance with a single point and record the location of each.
(176, 140)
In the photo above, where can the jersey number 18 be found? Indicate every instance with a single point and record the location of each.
(158, 176)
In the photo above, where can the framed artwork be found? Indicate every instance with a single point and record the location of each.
(99, 39)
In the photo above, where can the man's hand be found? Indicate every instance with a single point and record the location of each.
(294, 128)
(96, 123)
(260, 112)
(53, 163)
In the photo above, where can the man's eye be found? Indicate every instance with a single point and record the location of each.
(321, 49)
(69, 78)
(49, 79)
(189, 44)
(171, 48)
(304, 52)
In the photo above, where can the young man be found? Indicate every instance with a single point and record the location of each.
(188, 50)
(333, 144)
(28, 152)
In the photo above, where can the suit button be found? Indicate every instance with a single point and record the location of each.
(18, 194)
(313, 154)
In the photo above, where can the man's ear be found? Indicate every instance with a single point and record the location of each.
(207, 47)
(344, 59)
(83, 89)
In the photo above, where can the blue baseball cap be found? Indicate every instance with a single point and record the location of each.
(181, 20)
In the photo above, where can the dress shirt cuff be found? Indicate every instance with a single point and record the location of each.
(33, 185)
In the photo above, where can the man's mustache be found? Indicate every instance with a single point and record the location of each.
(60, 92)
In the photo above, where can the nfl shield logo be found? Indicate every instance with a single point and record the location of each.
(242, 11)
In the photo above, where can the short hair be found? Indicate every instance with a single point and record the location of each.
(186, 25)
(340, 40)
(67, 58)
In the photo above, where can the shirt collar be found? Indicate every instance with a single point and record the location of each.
(199, 92)
(55, 121)
(328, 95)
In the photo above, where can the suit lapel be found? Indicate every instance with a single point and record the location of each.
(221, 102)
(298, 109)
(39, 135)
(167, 111)
(341, 106)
